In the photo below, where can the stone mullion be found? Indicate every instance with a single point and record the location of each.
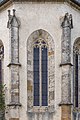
(40, 70)
(66, 68)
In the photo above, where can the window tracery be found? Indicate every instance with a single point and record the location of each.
(1, 62)
(40, 73)
(76, 62)
(40, 44)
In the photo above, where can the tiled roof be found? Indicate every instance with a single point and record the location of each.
(76, 1)
(3, 1)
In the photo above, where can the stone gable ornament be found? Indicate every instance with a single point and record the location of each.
(13, 20)
(67, 21)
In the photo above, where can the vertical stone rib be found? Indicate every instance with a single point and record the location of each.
(66, 38)
(66, 67)
(13, 25)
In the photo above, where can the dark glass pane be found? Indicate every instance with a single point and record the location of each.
(36, 65)
(44, 101)
(36, 76)
(44, 97)
(36, 54)
(44, 66)
(44, 93)
(37, 42)
(74, 115)
(36, 100)
(44, 77)
(76, 80)
(44, 87)
(43, 42)
(44, 53)
(36, 89)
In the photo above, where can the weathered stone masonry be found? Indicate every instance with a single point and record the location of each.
(41, 112)
(66, 67)
(13, 25)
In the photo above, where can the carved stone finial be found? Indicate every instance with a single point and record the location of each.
(67, 21)
(13, 20)
(14, 12)
(8, 12)
(66, 15)
(71, 22)
(9, 17)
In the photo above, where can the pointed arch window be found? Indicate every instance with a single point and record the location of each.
(40, 72)
(1, 63)
(40, 75)
(76, 80)
(76, 63)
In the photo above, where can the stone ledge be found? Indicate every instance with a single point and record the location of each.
(6, 3)
(16, 64)
(13, 118)
(67, 104)
(63, 64)
(74, 3)
(41, 109)
(14, 104)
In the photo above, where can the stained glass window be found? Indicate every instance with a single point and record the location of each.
(76, 80)
(76, 74)
(36, 76)
(40, 73)
(1, 60)
(44, 76)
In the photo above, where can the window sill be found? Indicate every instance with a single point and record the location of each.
(41, 109)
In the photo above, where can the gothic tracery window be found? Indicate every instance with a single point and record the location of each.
(1, 62)
(76, 62)
(40, 73)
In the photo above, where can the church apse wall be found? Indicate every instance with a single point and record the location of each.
(39, 25)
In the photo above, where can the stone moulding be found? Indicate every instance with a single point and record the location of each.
(41, 109)
(63, 64)
(14, 104)
(60, 104)
(41, 35)
(13, 64)
(66, 65)
(6, 3)
(13, 25)
(14, 119)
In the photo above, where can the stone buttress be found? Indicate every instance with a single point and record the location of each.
(66, 68)
(13, 25)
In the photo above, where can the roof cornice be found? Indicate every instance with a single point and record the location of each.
(5, 4)
(73, 3)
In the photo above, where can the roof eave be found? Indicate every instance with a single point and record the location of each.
(71, 2)
(74, 3)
